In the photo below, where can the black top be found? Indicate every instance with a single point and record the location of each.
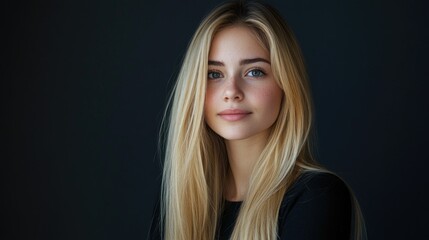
(316, 207)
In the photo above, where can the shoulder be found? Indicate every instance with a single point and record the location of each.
(317, 184)
(317, 204)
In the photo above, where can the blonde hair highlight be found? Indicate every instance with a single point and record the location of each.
(195, 157)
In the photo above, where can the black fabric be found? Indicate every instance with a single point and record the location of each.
(227, 222)
(316, 207)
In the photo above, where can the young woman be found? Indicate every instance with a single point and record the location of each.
(238, 162)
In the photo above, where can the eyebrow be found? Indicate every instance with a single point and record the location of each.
(242, 62)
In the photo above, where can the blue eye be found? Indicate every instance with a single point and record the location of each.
(214, 75)
(255, 73)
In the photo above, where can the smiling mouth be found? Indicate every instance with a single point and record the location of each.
(234, 114)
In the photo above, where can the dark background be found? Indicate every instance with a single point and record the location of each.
(84, 85)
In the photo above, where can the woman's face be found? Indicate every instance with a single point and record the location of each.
(242, 99)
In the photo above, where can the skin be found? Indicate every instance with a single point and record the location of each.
(242, 102)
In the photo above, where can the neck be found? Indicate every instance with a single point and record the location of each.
(242, 155)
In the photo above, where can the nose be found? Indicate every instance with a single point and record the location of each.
(233, 91)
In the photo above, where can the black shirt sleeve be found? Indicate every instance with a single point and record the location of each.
(317, 207)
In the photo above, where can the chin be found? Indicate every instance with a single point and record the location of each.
(232, 136)
(244, 133)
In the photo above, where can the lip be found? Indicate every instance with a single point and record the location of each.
(234, 114)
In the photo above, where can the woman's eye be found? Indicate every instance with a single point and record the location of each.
(255, 73)
(214, 75)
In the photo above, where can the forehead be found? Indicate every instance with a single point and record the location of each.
(236, 42)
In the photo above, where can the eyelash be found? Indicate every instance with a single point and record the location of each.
(210, 72)
(214, 71)
(257, 69)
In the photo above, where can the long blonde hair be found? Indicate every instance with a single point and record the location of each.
(195, 157)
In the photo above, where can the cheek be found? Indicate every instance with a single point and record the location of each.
(270, 104)
(208, 102)
(269, 98)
